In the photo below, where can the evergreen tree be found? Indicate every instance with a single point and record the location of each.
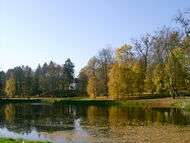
(68, 73)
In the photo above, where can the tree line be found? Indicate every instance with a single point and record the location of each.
(48, 80)
(155, 63)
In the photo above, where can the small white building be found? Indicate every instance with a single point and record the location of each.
(74, 86)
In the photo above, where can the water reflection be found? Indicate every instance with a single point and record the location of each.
(10, 113)
(4, 132)
(74, 123)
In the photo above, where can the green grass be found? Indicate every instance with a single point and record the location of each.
(10, 140)
(182, 104)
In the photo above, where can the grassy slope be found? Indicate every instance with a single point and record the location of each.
(10, 140)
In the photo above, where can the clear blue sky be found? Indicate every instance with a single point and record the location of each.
(37, 31)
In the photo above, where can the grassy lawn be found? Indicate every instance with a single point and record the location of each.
(10, 140)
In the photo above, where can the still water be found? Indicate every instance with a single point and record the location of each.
(62, 123)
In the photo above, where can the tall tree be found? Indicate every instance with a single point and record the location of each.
(105, 59)
(92, 66)
(159, 79)
(10, 88)
(68, 73)
(35, 87)
(43, 79)
(83, 78)
(2, 83)
(27, 81)
(51, 78)
(92, 88)
(149, 86)
(120, 83)
(143, 48)
(164, 43)
(184, 19)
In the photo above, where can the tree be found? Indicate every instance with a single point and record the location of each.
(35, 87)
(92, 87)
(27, 81)
(83, 78)
(183, 56)
(121, 76)
(68, 73)
(2, 83)
(43, 79)
(159, 80)
(17, 73)
(124, 54)
(92, 66)
(10, 86)
(59, 87)
(121, 82)
(176, 72)
(51, 78)
(181, 18)
(105, 60)
(92, 71)
(115, 78)
(137, 78)
(148, 82)
(164, 43)
(143, 47)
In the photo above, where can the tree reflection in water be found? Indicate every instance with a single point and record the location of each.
(70, 123)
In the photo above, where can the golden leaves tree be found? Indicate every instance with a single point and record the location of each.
(92, 87)
(114, 82)
(120, 76)
(10, 88)
(159, 80)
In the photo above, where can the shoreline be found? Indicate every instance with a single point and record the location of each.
(158, 102)
(19, 140)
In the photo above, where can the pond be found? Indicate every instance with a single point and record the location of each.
(62, 123)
